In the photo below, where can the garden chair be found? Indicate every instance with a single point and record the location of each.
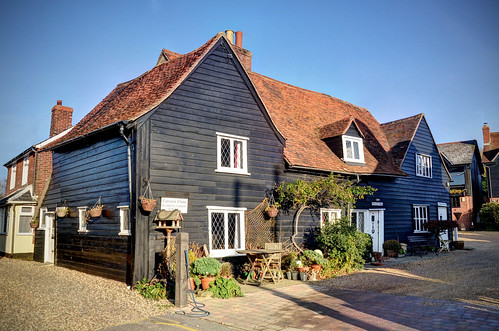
(274, 262)
(444, 244)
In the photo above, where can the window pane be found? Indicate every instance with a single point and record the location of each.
(349, 149)
(24, 224)
(233, 227)
(125, 223)
(238, 154)
(356, 150)
(217, 231)
(225, 153)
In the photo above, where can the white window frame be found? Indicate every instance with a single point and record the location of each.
(423, 165)
(365, 214)
(24, 178)
(353, 140)
(330, 215)
(41, 225)
(232, 168)
(420, 217)
(82, 219)
(241, 229)
(25, 214)
(124, 220)
(4, 220)
(13, 176)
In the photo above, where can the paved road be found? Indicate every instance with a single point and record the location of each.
(300, 306)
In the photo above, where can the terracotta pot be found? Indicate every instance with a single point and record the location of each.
(272, 211)
(303, 269)
(33, 225)
(205, 282)
(316, 267)
(391, 253)
(148, 204)
(192, 286)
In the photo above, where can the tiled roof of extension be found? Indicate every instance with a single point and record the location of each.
(304, 116)
(491, 151)
(400, 134)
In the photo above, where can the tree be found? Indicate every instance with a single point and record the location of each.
(319, 193)
(3, 187)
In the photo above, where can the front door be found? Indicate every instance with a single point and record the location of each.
(375, 227)
(49, 238)
(442, 216)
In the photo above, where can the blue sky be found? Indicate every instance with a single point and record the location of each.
(396, 58)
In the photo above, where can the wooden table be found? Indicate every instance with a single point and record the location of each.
(262, 257)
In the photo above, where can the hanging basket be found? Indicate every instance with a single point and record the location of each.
(272, 211)
(147, 204)
(96, 210)
(62, 211)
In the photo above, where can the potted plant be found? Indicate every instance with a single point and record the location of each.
(61, 211)
(303, 264)
(96, 210)
(226, 270)
(392, 247)
(34, 224)
(207, 268)
(272, 211)
(147, 204)
(314, 259)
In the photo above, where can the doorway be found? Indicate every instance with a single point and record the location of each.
(49, 238)
(375, 227)
(442, 216)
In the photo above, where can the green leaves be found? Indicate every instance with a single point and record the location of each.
(225, 288)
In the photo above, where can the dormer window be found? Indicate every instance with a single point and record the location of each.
(353, 149)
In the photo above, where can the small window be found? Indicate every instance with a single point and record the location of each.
(353, 149)
(82, 220)
(24, 178)
(329, 216)
(420, 217)
(41, 225)
(12, 177)
(226, 230)
(232, 154)
(423, 165)
(358, 219)
(124, 220)
(4, 217)
(455, 202)
(25, 217)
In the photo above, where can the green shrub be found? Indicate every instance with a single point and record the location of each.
(346, 248)
(489, 216)
(310, 257)
(206, 266)
(225, 288)
(392, 245)
(152, 289)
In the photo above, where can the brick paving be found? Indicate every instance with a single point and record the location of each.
(309, 307)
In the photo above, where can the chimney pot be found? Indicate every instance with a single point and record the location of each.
(486, 135)
(59, 102)
(239, 39)
(230, 36)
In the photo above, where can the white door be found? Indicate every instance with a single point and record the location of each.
(49, 238)
(375, 227)
(442, 216)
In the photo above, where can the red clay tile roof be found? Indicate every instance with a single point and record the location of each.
(300, 114)
(491, 151)
(338, 128)
(132, 99)
(400, 134)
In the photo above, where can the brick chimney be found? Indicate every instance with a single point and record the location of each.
(243, 54)
(62, 118)
(486, 137)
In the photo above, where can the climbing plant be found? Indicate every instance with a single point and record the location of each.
(331, 191)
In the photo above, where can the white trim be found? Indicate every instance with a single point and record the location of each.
(41, 225)
(240, 230)
(124, 216)
(234, 169)
(333, 215)
(49, 245)
(82, 219)
(13, 175)
(359, 211)
(24, 178)
(360, 146)
(25, 214)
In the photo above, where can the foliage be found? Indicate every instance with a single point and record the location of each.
(346, 248)
(152, 289)
(489, 216)
(226, 269)
(206, 266)
(392, 245)
(289, 261)
(310, 257)
(485, 184)
(439, 226)
(225, 288)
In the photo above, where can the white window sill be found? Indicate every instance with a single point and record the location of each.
(26, 234)
(416, 231)
(82, 231)
(232, 171)
(225, 253)
(124, 233)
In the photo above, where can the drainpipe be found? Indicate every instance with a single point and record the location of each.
(13, 218)
(129, 154)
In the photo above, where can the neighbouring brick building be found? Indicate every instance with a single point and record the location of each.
(28, 177)
(490, 160)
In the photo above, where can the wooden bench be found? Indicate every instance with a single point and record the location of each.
(417, 243)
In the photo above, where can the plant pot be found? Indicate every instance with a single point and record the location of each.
(61, 212)
(288, 274)
(316, 267)
(33, 225)
(303, 276)
(148, 204)
(205, 282)
(294, 275)
(192, 284)
(95, 212)
(459, 244)
(391, 253)
(303, 269)
(272, 211)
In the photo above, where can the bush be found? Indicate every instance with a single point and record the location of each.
(310, 257)
(392, 245)
(206, 266)
(345, 247)
(489, 216)
(225, 288)
(152, 289)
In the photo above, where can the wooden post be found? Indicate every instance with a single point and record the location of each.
(182, 243)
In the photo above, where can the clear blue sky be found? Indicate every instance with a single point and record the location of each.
(396, 58)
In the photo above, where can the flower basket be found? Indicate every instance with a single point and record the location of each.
(62, 211)
(272, 211)
(33, 225)
(95, 212)
(147, 204)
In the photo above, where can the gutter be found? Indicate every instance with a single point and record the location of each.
(344, 172)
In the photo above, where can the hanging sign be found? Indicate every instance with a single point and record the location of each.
(174, 203)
